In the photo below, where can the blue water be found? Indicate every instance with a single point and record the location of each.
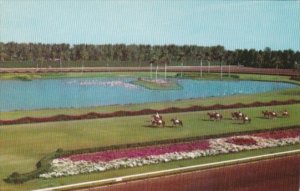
(67, 93)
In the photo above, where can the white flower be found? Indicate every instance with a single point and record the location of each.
(66, 167)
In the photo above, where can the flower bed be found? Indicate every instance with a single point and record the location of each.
(127, 158)
(279, 134)
(107, 156)
(242, 141)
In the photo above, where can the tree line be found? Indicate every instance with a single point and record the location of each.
(143, 55)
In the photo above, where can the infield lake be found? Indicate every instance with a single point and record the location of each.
(87, 92)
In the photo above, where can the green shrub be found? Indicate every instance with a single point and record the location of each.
(59, 150)
(297, 78)
(24, 77)
(231, 76)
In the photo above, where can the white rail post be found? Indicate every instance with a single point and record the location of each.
(221, 71)
(156, 73)
(151, 71)
(201, 69)
(165, 71)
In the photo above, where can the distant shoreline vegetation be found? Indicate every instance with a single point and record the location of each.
(37, 55)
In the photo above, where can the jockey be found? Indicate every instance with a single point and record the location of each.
(176, 120)
(157, 116)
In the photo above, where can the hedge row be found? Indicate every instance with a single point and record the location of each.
(95, 115)
(295, 78)
(44, 164)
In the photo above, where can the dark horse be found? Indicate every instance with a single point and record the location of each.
(270, 114)
(246, 119)
(214, 116)
(158, 123)
(177, 122)
(236, 115)
(285, 113)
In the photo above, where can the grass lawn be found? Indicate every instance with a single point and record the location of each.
(36, 140)
(15, 76)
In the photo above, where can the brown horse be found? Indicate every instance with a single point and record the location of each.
(236, 115)
(158, 123)
(270, 114)
(214, 116)
(245, 119)
(177, 122)
(285, 113)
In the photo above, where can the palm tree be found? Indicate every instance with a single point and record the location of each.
(181, 58)
(165, 60)
(154, 60)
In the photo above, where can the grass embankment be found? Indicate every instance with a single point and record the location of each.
(37, 140)
(153, 85)
(33, 76)
(253, 77)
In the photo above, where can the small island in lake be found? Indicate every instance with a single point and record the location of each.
(157, 84)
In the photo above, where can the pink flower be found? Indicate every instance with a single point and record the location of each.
(106, 156)
(241, 141)
(290, 133)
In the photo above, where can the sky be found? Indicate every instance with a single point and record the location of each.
(233, 24)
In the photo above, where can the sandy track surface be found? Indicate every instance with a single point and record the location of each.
(281, 174)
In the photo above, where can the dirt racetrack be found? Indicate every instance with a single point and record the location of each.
(281, 174)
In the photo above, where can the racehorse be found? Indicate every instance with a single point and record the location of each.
(214, 116)
(158, 123)
(157, 117)
(245, 119)
(236, 115)
(285, 113)
(270, 114)
(265, 113)
(177, 122)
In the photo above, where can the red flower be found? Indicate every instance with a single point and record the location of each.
(241, 141)
(140, 152)
(291, 133)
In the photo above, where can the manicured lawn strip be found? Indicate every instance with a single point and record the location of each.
(37, 140)
(15, 76)
(254, 77)
(43, 183)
